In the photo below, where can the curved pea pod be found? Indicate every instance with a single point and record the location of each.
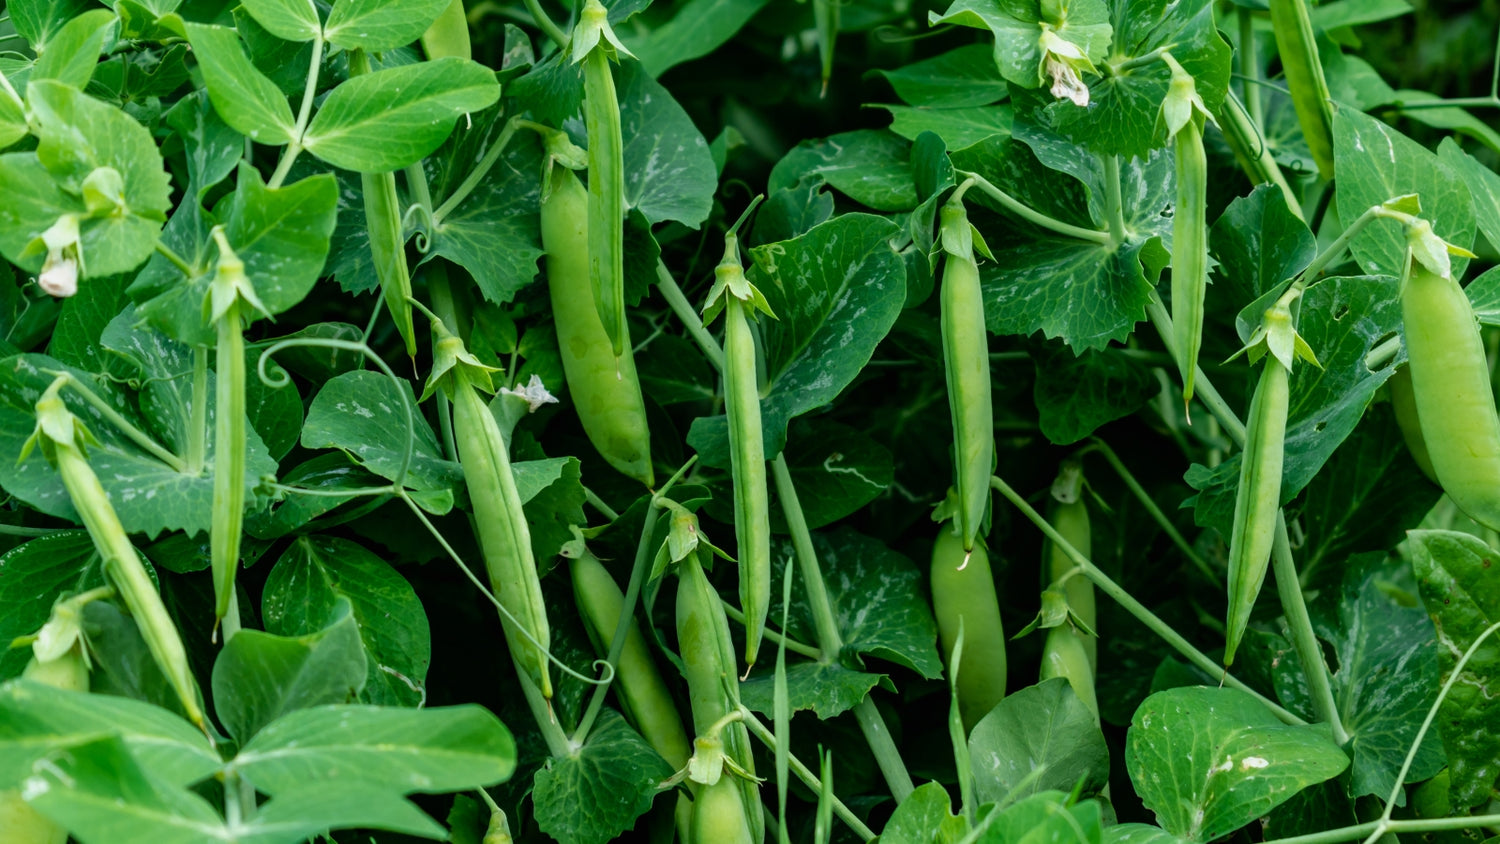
(963, 588)
(1258, 499)
(449, 34)
(966, 362)
(1451, 386)
(387, 236)
(1064, 655)
(605, 389)
(499, 521)
(1298, 48)
(1404, 401)
(642, 692)
(1072, 521)
(719, 815)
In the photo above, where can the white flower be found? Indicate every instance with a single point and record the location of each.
(1066, 84)
(60, 271)
(1062, 60)
(534, 393)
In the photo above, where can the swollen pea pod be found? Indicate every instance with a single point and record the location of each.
(1404, 401)
(1451, 385)
(963, 590)
(1184, 115)
(1064, 655)
(739, 300)
(1071, 519)
(707, 653)
(594, 44)
(966, 361)
(387, 243)
(1298, 47)
(499, 521)
(448, 35)
(719, 815)
(62, 438)
(605, 389)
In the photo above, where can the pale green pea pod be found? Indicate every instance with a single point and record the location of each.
(719, 815)
(966, 362)
(605, 389)
(1298, 48)
(1404, 401)
(1071, 519)
(1184, 115)
(1064, 655)
(963, 594)
(594, 44)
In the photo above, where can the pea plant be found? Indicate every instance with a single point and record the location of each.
(747, 420)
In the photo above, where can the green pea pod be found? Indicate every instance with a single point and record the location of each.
(448, 35)
(1404, 400)
(966, 361)
(605, 389)
(1189, 250)
(1298, 47)
(1451, 385)
(1258, 499)
(709, 666)
(593, 44)
(1065, 655)
(719, 815)
(963, 588)
(504, 537)
(229, 458)
(1072, 521)
(645, 698)
(387, 243)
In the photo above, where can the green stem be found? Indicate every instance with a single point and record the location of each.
(177, 260)
(20, 530)
(545, 23)
(475, 176)
(1155, 512)
(807, 776)
(123, 425)
(1454, 102)
(304, 114)
(1203, 390)
(599, 504)
(197, 444)
(1242, 131)
(1299, 624)
(541, 713)
(1114, 204)
(1338, 246)
(1033, 216)
(1249, 65)
(1134, 607)
(690, 319)
(791, 644)
(622, 627)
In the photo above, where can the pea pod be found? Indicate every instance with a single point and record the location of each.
(1298, 48)
(966, 361)
(499, 521)
(230, 295)
(1184, 114)
(719, 816)
(605, 389)
(963, 588)
(448, 35)
(645, 698)
(1450, 383)
(1065, 655)
(387, 240)
(1258, 499)
(1072, 521)
(1404, 401)
(594, 43)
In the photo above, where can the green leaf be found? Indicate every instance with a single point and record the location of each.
(1455, 572)
(12, 121)
(593, 795)
(1094, 296)
(958, 127)
(1484, 296)
(926, 815)
(1258, 243)
(249, 102)
(961, 78)
(1376, 163)
(275, 412)
(260, 677)
(1209, 761)
(377, 25)
(281, 234)
(1038, 739)
(283, 62)
(669, 171)
(836, 291)
(315, 572)
(39, 20)
(1016, 25)
(74, 53)
(552, 497)
(76, 337)
(870, 166)
(37, 573)
(314, 808)
(1138, 833)
(361, 413)
(388, 119)
(1077, 394)
(1047, 818)
(828, 689)
(37, 720)
(697, 29)
(292, 20)
(325, 475)
(448, 748)
(1484, 187)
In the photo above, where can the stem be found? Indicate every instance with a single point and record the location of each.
(1033, 216)
(807, 776)
(177, 260)
(622, 626)
(830, 642)
(541, 713)
(304, 114)
(475, 176)
(1115, 206)
(1250, 66)
(545, 23)
(20, 530)
(197, 444)
(598, 503)
(739, 618)
(1156, 512)
(1491, 101)
(113, 417)
(690, 319)
(1242, 130)
(1203, 390)
(1294, 607)
(1134, 607)
(1340, 243)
